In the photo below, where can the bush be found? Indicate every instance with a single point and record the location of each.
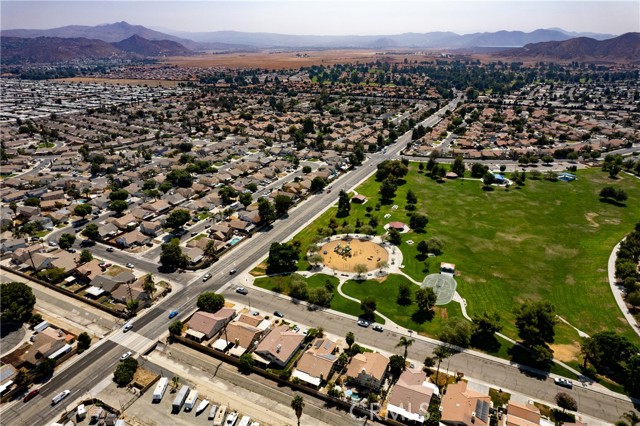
(125, 371)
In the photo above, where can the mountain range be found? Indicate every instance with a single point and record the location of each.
(122, 40)
(235, 40)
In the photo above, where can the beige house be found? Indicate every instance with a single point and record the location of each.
(461, 406)
(316, 364)
(522, 415)
(49, 343)
(203, 325)
(410, 397)
(279, 346)
(368, 369)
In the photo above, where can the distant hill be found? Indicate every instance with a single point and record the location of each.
(57, 49)
(144, 47)
(236, 40)
(624, 48)
(109, 32)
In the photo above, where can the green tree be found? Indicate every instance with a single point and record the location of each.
(176, 327)
(318, 184)
(32, 202)
(171, 256)
(125, 371)
(227, 195)
(66, 241)
(86, 256)
(282, 204)
(177, 218)
(118, 206)
(360, 269)
(320, 296)
(394, 237)
(434, 245)
(245, 198)
(181, 178)
(298, 288)
(266, 210)
(148, 285)
(246, 363)
(368, 306)
(425, 299)
(91, 231)
(418, 221)
(488, 179)
(441, 353)
(487, 323)
(566, 402)
(84, 341)
(458, 166)
(456, 331)
(283, 257)
(344, 205)
(297, 403)
(536, 322)
(119, 195)
(405, 342)
(16, 302)
(411, 197)
(397, 365)
(388, 189)
(46, 367)
(350, 339)
(53, 275)
(423, 248)
(210, 301)
(82, 210)
(395, 169)
(404, 294)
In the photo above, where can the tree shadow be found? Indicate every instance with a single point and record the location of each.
(485, 342)
(487, 188)
(403, 301)
(524, 358)
(421, 316)
(8, 327)
(421, 257)
(612, 202)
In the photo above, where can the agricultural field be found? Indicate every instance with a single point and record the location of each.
(547, 240)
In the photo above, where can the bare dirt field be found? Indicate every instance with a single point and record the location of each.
(286, 60)
(122, 81)
(362, 252)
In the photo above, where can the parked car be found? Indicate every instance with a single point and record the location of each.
(53, 243)
(242, 290)
(563, 382)
(130, 265)
(206, 277)
(125, 355)
(378, 327)
(28, 397)
(173, 313)
(363, 323)
(278, 314)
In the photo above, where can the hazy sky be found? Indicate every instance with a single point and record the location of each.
(331, 17)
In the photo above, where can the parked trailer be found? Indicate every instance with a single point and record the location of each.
(244, 421)
(191, 401)
(40, 327)
(179, 399)
(220, 416)
(160, 389)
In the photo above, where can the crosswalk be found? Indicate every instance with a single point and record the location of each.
(131, 340)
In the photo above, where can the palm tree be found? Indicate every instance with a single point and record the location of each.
(441, 352)
(175, 381)
(297, 403)
(406, 342)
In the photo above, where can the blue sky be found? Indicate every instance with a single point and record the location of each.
(331, 17)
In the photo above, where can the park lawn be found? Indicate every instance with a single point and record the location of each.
(545, 241)
(385, 291)
(280, 284)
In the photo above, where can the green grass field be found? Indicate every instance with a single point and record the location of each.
(547, 240)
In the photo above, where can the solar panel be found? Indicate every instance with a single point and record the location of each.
(482, 410)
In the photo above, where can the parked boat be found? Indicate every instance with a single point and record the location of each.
(200, 408)
(212, 411)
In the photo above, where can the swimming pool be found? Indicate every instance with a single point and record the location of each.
(234, 241)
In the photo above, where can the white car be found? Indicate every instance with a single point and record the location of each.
(130, 265)
(125, 355)
(563, 382)
(206, 277)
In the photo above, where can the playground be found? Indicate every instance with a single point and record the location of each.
(344, 254)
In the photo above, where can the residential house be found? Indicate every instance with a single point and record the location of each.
(204, 325)
(410, 397)
(279, 346)
(316, 364)
(16, 247)
(125, 222)
(107, 231)
(49, 343)
(133, 238)
(152, 229)
(126, 293)
(108, 283)
(461, 406)
(368, 369)
(242, 334)
(522, 415)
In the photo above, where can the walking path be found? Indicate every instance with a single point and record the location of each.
(618, 291)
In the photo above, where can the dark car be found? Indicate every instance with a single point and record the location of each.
(233, 271)
(278, 314)
(28, 397)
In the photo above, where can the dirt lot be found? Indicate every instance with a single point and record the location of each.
(362, 252)
(286, 60)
